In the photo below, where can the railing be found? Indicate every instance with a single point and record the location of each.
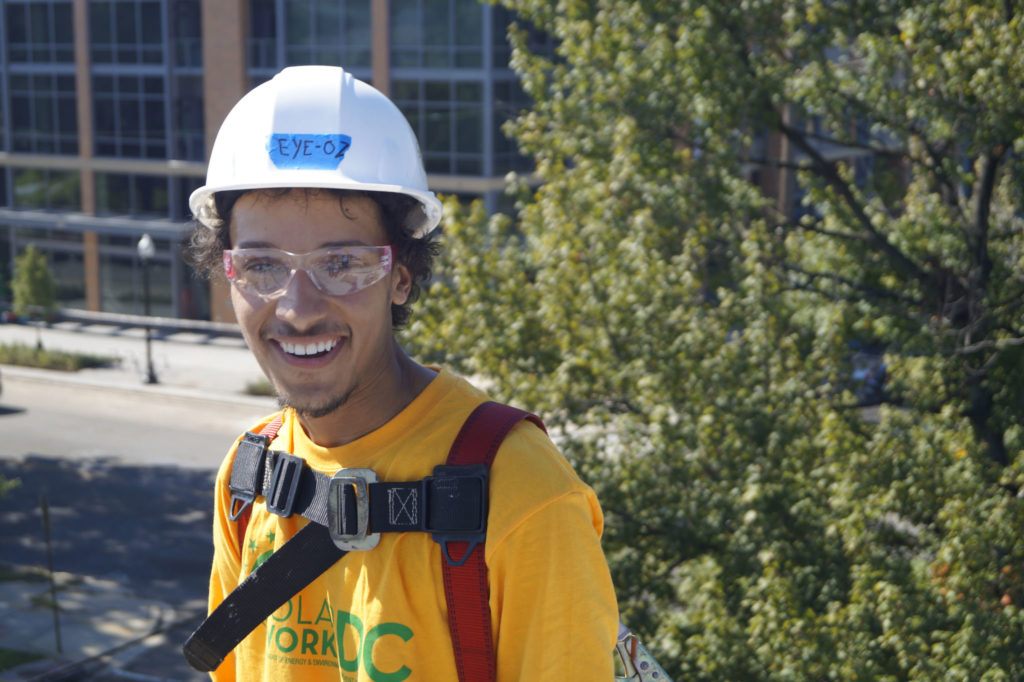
(166, 323)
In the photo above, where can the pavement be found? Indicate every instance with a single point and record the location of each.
(118, 617)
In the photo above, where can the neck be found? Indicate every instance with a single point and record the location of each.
(372, 405)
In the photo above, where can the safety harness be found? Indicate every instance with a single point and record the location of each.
(348, 511)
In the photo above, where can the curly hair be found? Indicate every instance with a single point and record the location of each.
(399, 214)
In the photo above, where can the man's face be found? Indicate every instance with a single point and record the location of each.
(318, 350)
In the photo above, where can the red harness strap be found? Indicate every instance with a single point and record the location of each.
(465, 586)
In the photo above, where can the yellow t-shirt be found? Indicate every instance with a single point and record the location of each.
(380, 615)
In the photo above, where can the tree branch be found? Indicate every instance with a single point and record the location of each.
(997, 344)
(828, 171)
(876, 294)
(982, 211)
(847, 236)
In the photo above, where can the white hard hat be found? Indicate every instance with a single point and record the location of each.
(318, 126)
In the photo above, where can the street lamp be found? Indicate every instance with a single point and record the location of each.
(146, 252)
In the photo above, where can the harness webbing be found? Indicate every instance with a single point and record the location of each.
(312, 551)
(465, 585)
(270, 433)
(296, 564)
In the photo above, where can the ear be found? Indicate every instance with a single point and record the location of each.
(401, 284)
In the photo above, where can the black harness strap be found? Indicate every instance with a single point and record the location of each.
(296, 564)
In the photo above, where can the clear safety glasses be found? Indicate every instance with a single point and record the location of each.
(335, 270)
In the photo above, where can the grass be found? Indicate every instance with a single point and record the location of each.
(9, 658)
(28, 574)
(25, 355)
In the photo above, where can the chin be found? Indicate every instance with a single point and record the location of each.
(313, 409)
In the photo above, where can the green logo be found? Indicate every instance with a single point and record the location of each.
(364, 647)
(307, 636)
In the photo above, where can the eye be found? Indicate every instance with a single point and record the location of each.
(259, 266)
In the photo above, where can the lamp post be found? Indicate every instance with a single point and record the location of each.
(146, 252)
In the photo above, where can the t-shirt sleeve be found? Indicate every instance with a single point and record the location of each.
(226, 569)
(552, 600)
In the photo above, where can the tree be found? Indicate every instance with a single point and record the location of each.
(688, 338)
(34, 287)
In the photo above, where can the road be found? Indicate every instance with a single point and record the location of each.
(127, 469)
(128, 475)
(126, 472)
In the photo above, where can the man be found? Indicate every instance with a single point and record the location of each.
(317, 211)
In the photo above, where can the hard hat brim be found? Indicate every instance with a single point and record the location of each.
(428, 201)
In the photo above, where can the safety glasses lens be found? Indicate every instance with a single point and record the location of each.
(335, 271)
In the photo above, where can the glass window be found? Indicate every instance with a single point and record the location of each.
(326, 32)
(448, 120)
(113, 194)
(509, 101)
(437, 33)
(17, 22)
(122, 287)
(68, 267)
(193, 294)
(136, 195)
(130, 116)
(63, 250)
(187, 33)
(356, 36)
(3, 130)
(183, 190)
(262, 43)
(540, 42)
(46, 189)
(128, 32)
(40, 32)
(43, 114)
(187, 112)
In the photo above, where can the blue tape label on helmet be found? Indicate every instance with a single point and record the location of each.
(301, 150)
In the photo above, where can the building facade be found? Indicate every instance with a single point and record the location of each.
(108, 109)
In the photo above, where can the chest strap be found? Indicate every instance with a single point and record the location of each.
(348, 512)
(353, 504)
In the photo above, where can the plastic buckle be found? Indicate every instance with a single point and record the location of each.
(337, 517)
(239, 497)
(252, 448)
(284, 483)
(474, 535)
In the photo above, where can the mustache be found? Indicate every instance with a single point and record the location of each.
(278, 329)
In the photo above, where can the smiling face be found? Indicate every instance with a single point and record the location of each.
(319, 351)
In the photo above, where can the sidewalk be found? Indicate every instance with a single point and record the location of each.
(104, 628)
(108, 631)
(185, 363)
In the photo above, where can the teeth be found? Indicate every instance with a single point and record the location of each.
(309, 348)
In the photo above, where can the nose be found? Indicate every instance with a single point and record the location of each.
(301, 304)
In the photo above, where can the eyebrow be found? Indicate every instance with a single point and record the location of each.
(325, 245)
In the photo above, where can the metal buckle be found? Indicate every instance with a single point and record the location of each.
(637, 662)
(362, 539)
(284, 483)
